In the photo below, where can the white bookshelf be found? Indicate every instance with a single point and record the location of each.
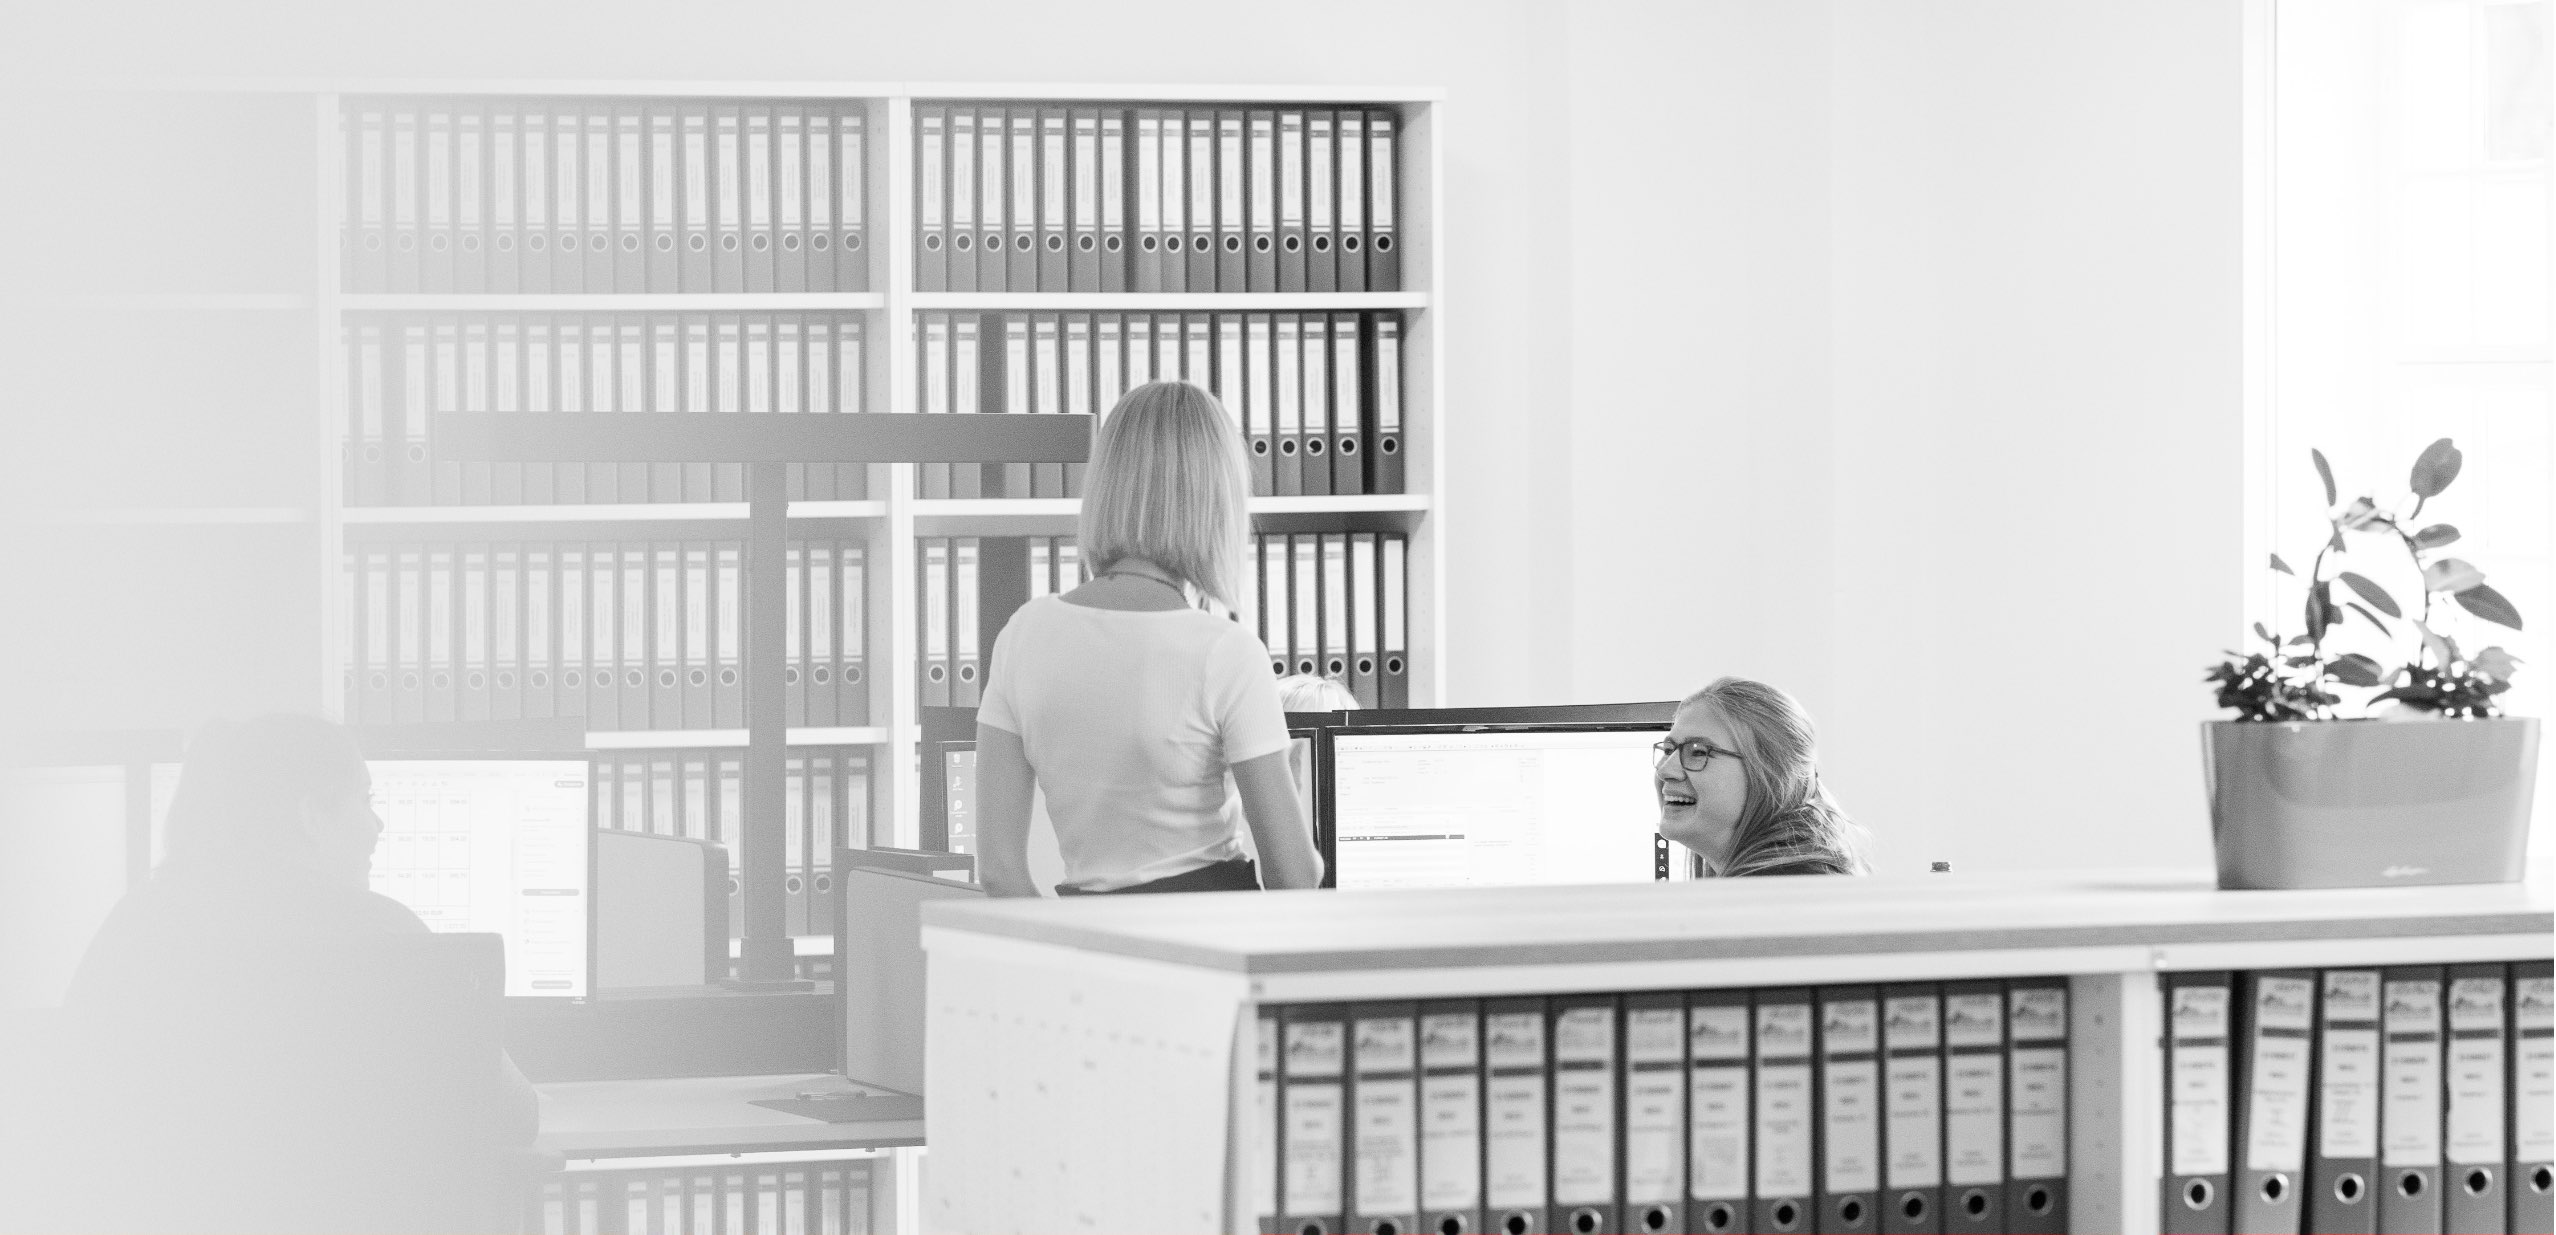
(1151, 1000)
(892, 516)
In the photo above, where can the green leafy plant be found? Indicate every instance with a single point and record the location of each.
(2438, 677)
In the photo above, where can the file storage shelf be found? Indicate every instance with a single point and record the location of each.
(1098, 1053)
(888, 518)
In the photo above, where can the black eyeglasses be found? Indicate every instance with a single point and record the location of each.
(1693, 754)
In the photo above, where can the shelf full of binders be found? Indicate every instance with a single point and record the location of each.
(1318, 396)
(570, 195)
(634, 633)
(1879, 1055)
(1059, 196)
(403, 367)
(1329, 604)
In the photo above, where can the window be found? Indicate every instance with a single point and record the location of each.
(2403, 293)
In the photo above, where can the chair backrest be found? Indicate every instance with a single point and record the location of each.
(366, 1095)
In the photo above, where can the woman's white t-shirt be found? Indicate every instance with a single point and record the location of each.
(1130, 720)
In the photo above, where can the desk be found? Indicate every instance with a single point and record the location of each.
(701, 1115)
(700, 1142)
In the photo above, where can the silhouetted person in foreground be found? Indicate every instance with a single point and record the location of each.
(266, 1044)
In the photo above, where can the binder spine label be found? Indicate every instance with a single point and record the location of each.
(2475, 1127)
(2410, 1120)
(1974, 1089)
(1913, 1092)
(2533, 1071)
(1584, 1107)
(1514, 1109)
(1849, 1112)
(1313, 1115)
(2038, 1075)
(1783, 1100)
(1717, 1103)
(2348, 1083)
(1450, 1111)
(2277, 1075)
(1654, 1102)
(1387, 1121)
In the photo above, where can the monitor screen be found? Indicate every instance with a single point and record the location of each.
(1497, 808)
(498, 845)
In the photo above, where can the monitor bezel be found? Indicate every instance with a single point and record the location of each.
(1602, 718)
(586, 757)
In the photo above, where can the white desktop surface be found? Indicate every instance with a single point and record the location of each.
(703, 1114)
(1311, 932)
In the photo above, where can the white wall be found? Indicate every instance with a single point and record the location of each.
(1884, 350)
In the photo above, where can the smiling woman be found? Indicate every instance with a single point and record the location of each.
(1738, 783)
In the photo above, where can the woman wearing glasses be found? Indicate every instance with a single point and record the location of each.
(1738, 784)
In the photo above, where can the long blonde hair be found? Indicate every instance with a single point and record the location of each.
(1790, 824)
(1170, 483)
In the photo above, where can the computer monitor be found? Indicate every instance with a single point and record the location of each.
(1413, 806)
(499, 843)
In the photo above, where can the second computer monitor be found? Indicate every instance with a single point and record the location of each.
(498, 844)
(1418, 807)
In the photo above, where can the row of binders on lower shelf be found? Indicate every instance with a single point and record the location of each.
(402, 368)
(627, 634)
(699, 793)
(790, 1198)
(1064, 198)
(2412, 1099)
(604, 195)
(1318, 396)
(1919, 1107)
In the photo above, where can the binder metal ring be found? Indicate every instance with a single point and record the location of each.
(1083, 243)
(697, 243)
(1974, 1203)
(790, 242)
(567, 242)
(967, 673)
(993, 242)
(761, 243)
(443, 680)
(1389, 446)
(1656, 1218)
(1233, 244)
(1349, 244)
(1514, 1224)
(536, 242)
(634, 679)
(2478, 1181)
(665, 677)
(1384, 244)
(506, 243)
(630, 244)
(540, 680)
(1287, 447)
(1787, 1215)
(790, 675)
(1851, 1212)
(1260, 244)
(1314, 446)
(572, 679)
(1348, 446)
(1913, 1206)
(1584, 1222)
(470, 244)
(728, 677)
(1451, 1225)
(2347, 1188)
(665, 244)
(2275, 1186)
(729, 243)
(2038, 1200)
(1294, 243)
(439, 243)
(1260, 446)
(936, 673)
(1021, 242)
(962, 243)
(819, 241)
(819, 675)
(2409, 1184)
(1055, 244)
(2539, 1181)
(851, 674)
(851, 242)
(1393, 664)
(408, 244)
(931, 242)
(1111, 244)
(505, 681)
(699, 678)
(477, 682)
(1719, 1217)
(1322, 244)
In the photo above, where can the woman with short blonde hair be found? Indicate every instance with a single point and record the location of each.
(1125, 703)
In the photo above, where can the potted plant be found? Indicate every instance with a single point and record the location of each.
(2300, 798)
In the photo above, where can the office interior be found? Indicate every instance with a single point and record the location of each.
(1952, 365)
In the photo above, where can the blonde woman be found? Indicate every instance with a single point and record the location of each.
(1125, 703)
(1738, 783)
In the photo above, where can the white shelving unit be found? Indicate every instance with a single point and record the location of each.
(1095, 1057)
(892, 517)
